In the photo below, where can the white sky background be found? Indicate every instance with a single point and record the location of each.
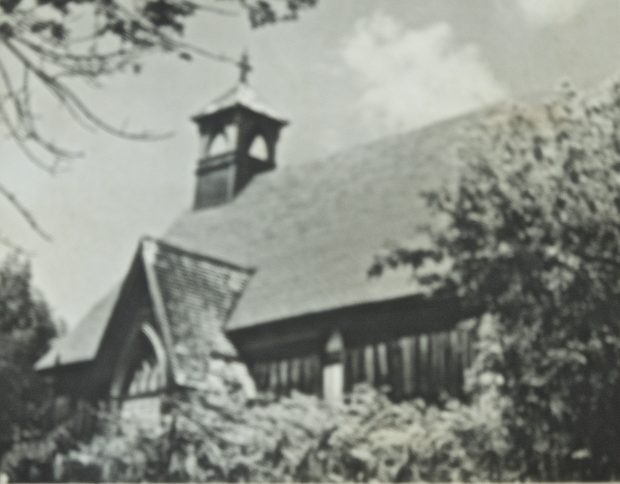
(400, 68)
(347, 72)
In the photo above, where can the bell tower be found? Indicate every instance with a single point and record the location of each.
(238, 141)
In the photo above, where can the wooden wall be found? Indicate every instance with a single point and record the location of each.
(412, 345)
(419, 365)
(283, 375)
(416, 365)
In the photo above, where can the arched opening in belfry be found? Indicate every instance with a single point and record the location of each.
(219, 144)
(259, 149)
(223, 141)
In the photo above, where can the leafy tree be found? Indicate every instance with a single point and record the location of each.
(26, 327)
(530, 236)
(46, 45)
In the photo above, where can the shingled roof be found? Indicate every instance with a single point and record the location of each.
(82, 342)
(309, 232)
(191, 297)
(312, 229)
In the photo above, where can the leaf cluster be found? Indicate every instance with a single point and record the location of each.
(26, 328)
(296, 438)
(531, 239)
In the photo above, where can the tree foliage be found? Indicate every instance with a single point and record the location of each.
(26, 327)
(530, 236)
(296, 438)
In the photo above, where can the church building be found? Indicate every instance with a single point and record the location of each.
(268, 275)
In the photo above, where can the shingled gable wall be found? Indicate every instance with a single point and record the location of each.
(183, 301)
(90, 377)
(193, 297)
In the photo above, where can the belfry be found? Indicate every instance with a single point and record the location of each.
(238, 139)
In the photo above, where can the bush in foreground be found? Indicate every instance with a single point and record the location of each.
(296, 438)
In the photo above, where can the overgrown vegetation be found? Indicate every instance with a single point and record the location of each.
(297, 438)
(531, 235)
(26, 327)
(204, 437)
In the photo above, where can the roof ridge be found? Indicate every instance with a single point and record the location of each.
(196, 255)
(364, 145)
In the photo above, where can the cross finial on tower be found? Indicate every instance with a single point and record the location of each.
(244, 67)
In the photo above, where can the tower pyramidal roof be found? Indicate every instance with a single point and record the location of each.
(241, 95)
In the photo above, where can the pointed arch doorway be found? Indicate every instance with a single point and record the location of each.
(141, 377)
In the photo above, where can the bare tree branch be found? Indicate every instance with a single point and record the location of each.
(49, 44)
(24, 212)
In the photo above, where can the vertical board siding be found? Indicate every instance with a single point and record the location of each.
(359, 364)
(349, 370)
(257, 374)
(317, 375)
(469, 347)
(421, 365)
(456, 368)
(306, 381)
(314, 380)
(273, 376)
(295, 381)
(442, 375)
(395, 368)
(381, 364)
(354, 367)
(414, 344)
(369, 364)
(283, 376)
(436, 370)
(406, 349)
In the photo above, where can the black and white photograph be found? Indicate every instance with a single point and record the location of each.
(309, 240)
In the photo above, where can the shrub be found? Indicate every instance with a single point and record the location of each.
(295, 438)
(376, 439)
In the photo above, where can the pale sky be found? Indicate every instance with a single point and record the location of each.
(347, 72)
